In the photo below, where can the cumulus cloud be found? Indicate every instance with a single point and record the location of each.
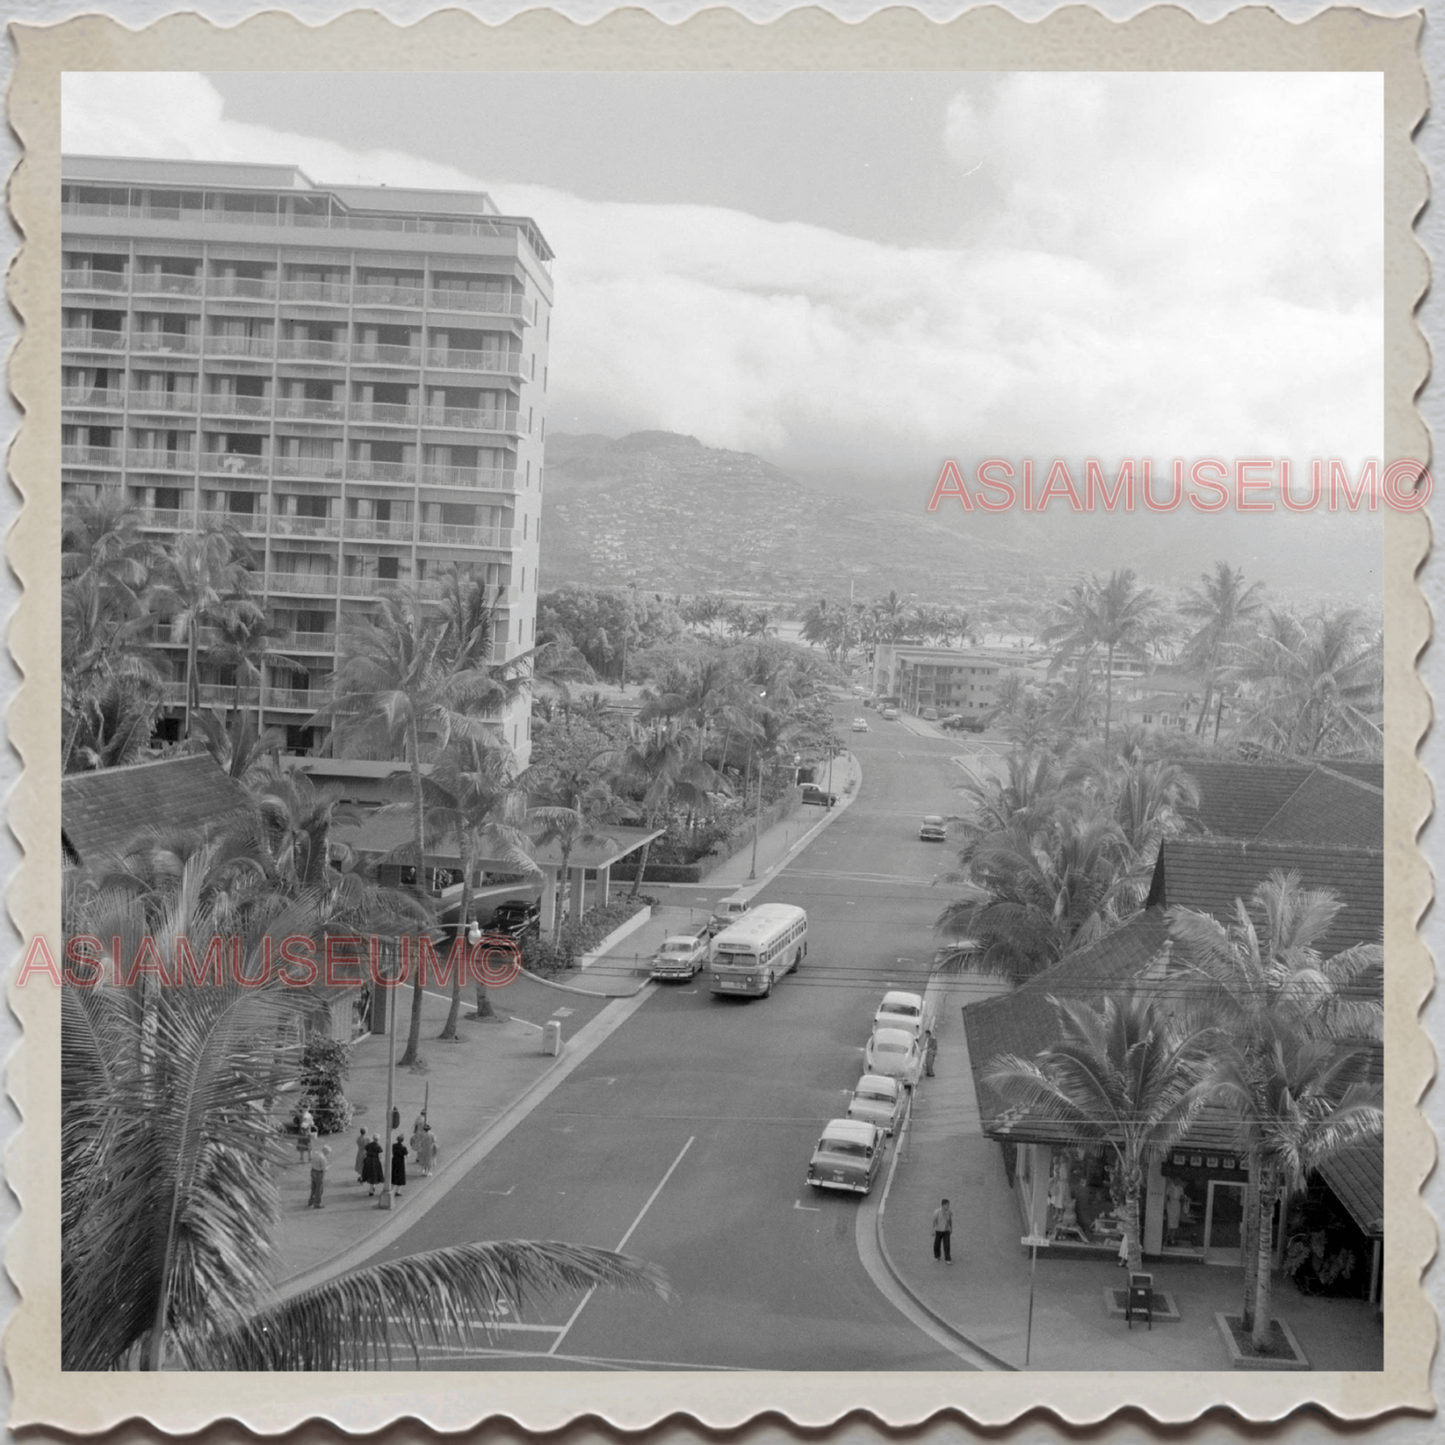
(1159, 265)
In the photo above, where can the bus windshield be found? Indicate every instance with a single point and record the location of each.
(734, 959)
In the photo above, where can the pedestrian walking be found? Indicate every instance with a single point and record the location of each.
(399, 1152)
(371, 1172)
(426, 1150)
(415, 1140)
(943, 1233)
(318, 1178)
(361, 1157)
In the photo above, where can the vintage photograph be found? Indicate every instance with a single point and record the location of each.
(724, 721)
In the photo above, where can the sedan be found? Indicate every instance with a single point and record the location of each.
(878, 1100)
(860, 724)
(847, 1156)
(934, 829)
(890, 714)
(904, 1011)
(812, 793)
(683, 956)
(895, 1054)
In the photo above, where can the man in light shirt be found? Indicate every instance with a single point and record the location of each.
(943, 1233)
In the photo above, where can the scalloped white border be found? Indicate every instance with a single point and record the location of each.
(987, 39)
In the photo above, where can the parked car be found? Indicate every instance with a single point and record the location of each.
(847, 1157)
(895, 1054)
(934, 829)
(906, 1011)
(890, 714)
(930, 714)
(682, 956)
(878, 1100)
(860, 724)
(727, 912)
(517, 917)
(812, 793)
(963, 724)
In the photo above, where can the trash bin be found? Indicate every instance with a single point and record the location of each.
(552, 1037)
(1140, 1302)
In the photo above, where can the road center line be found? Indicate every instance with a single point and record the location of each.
(622, 1243)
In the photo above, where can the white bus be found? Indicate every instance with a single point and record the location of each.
(749, 955)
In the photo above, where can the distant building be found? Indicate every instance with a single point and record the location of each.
(353, 377)
(953, 680)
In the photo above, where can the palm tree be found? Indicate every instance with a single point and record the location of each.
(666, 767)
(1124, 1074)
(408, 681)
(472, 796)
(168, 1147)
(236, 743)
(556, 665)
(243, 642)
(1261, 975)
(1301, 1101)
(204, 581)
(101, 538)
(1313, 687)
(1030, 793)
(1029, 897)
(1096, 613)
(1222, 606)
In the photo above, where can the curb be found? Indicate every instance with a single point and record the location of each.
(458, 1165)
(585, 992)
(623, 930)
(898, 1278)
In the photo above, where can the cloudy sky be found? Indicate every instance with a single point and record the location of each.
(858, 275)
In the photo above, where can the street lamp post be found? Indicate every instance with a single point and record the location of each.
(385, 1201)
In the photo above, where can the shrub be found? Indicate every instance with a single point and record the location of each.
(324, 1067)
(547, 955)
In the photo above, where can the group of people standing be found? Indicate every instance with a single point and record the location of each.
(369, 1149)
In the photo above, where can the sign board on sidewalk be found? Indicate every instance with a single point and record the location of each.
(1035, 1241)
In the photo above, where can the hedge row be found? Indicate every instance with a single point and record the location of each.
(740, 838)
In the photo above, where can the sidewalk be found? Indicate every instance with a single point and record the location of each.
(985, 1295)
(471, 1082)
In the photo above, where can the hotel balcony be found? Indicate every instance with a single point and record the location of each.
(304, 642)
(217, 403)
(221, 345)
(370, 295)
(165, 343)
(167, 519)
(494, 363)
(359, 470)
(87, 456)
(303, 584)
(443, 534)
(483, 303)
(162, 401)
(481, 479)
(241, 288)
(307, 409)
(297, 350)
(369, 529)
(76, 339)
(287, 526)
(150, 283)
(364, 354)
(335, 293)
(91, 397)
(81, 280)
(383, 413)
(141, 459)
(304, 699)
(468, 419)
(325, 468)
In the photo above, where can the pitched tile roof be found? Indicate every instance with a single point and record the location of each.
(102, 811)
(1327, 808)
(1026, 1023)
(1367, 770)
(1236, 800)
(1210, 873)
(1357, 1175)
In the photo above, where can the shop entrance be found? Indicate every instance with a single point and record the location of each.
(1224, 1223)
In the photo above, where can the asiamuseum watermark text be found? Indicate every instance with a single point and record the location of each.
(295, 961)
(1206, 484)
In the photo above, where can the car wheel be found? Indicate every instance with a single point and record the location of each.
(768, 991)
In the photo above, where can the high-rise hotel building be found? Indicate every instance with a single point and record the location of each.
(353, 377)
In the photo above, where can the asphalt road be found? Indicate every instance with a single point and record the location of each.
(684, 1138)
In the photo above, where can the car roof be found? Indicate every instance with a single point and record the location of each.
(898, 996)
(933, 818)
(689, 940)
(878, 1081)
(856, 1131)
(891, 1036)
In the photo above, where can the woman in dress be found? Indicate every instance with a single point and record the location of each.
(426, 1150)
(371, 1174)
(361, 1157)
(399, 1152)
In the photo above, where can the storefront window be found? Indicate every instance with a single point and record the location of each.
(1086, 1202)
(1204, 1203)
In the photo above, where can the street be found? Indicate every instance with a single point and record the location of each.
(685, 1137)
